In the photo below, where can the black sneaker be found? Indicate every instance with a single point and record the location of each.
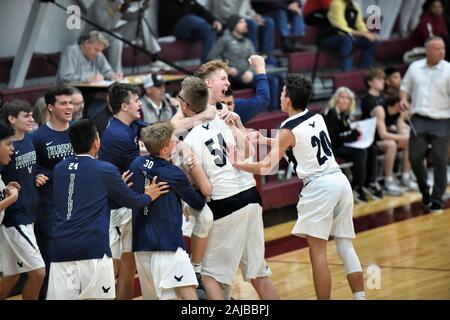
(435, 207)
(200, 290)
(359, 196)
(374, 191)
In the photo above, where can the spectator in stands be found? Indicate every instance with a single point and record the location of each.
(78, 104)
(375, 96)
(350, 32)
(432, 23)
(393, 80)
(364, 170)
(257, 24)
(84, 62)
(392, 127)
(288, 18)
(155, 108)
(426, 83)
(235, 48)
(107, 13)
(315, 12)
(40, 113)
(188, 20)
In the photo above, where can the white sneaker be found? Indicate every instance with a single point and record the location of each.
(410, 185)
(393, 189)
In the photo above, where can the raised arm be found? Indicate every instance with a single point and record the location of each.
(284, 141)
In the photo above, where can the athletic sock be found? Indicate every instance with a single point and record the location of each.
(360, 295)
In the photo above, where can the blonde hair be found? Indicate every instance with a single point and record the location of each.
(206, 69)
(97, 36)
(333, 101)
(157, 136)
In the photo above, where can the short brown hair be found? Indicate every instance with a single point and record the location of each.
(373, 73)
(205, 70)
(195, 93)
(157, 136)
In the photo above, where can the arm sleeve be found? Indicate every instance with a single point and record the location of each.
(202, 12)
(121, 193)
(184, 189)
(104, 67)
(360, 25)
(248, 108)
(67, 68)
(336, 15)
(217, 49)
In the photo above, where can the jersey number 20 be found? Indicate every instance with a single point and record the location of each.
(322, 142)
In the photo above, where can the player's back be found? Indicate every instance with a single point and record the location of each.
(312, 154)
(209, 141)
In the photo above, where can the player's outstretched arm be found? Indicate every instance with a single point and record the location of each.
(182, 123)
(284, 141)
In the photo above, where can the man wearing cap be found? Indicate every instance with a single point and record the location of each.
(154, 106)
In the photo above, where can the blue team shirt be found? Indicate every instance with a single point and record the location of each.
(22, 169)
(119, 144)
(51, 147)
(158, 228)
(82, 189)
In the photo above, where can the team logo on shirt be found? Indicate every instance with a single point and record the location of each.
(312, 125)
(178, 278)
(26, 160)
(2, 194)
(59, 150)
(105, 290)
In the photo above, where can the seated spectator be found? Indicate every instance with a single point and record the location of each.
(188, 20)
(432, 23)
(364, 170)
(288, 19)
(392, 129)
(346, 16)
(107, 13)
(375, 97)
(236, 49)
(155, 108)
(85, 62)
(393, 80)
(258, 26)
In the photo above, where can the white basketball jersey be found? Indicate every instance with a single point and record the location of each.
(209, 141)
(312, 153)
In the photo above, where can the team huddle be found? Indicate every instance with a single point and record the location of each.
(81, 216)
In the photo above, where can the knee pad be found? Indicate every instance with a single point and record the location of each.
(203, 221)
(346, 252)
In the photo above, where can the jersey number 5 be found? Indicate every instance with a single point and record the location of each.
(219, 153)
(322, 142)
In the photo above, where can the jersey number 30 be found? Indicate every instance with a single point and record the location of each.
(219, 153)
(322, 142)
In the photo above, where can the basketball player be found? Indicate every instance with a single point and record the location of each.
(51, 142)
(164, 268)
(236, 237)
(19, 252)
(81, 263)
(326, 201)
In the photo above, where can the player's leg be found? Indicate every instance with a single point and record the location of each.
(265, 288)
(125, 280)
(353, 270)
(33, 284)
(321, 273)
(212, 288)
(7, 284)
(186, 293)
